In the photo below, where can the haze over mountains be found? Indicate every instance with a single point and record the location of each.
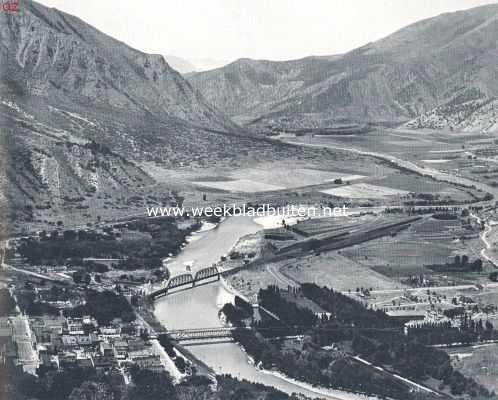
(185, 66)
(448, 58)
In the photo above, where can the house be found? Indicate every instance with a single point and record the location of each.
(113, 331)
(120, 349)
(150, 362)
(103, 363)
(84, 340)
(75, 326)
(85, 362)
(67, 359)
(69, 342)
(138, 348)
(106, 349)
(45, 326)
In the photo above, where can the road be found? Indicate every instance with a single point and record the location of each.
(484, 238)
(430, 172)
(275, 272)
(411, 166)
(34, 274)
(157, 349)
(492, 285)
(416, 385)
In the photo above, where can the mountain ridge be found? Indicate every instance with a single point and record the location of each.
(393, 80)
(55, 51)
(81, 113)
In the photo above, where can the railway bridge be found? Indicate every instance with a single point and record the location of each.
(187, 280)
(201, 333)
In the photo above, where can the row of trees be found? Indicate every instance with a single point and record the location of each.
(470, 331)
(389, 346)
(310, 363)
(158, 238)
(320, 367)
(289, 313)
(418, 362)
(459, 264)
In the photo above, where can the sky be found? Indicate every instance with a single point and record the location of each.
(260, 29)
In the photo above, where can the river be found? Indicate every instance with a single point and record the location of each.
(198, 308)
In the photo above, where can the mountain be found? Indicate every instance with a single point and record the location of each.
(181, 65)
(45, 52)
(82, 113)
(479, 114)
(448, 58)
(247, 89)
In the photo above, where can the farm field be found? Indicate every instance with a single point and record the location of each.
(398, 258)
(388, 141)
(319, 226)
(422, 146)
(480, 362)
(240, 185)
(364, 191)
(417, 184)
(293, 176)
(261, 179)
(336, 271)
(429, 241)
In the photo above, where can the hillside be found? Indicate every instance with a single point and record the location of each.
(45, 52)
(81, 113)
(395, 79)
(478, 114)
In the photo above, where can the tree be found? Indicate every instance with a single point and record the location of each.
(152, 385)
(457, 260)
(477, 265)
(92, 391)
(77, 277)
(7, 303)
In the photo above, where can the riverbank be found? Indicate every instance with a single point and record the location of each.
(147, 314)
(199, 307)
(339, 394)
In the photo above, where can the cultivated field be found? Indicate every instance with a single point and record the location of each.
(480, 362)
(261, 180)
(240, 185)
(336, 271)
(364, 191)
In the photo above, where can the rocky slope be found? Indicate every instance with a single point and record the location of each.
(476, 115)
(81, 111)
(46, 52)
(392, 80)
